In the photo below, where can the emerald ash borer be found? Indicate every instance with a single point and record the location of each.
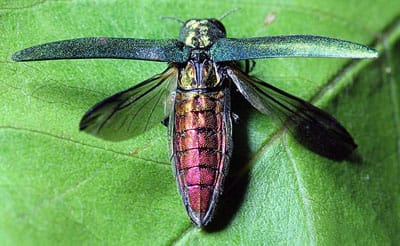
(194, 95)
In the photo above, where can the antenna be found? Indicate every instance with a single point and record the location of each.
(172, 18)
(228, 13)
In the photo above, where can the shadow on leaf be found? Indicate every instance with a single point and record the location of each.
(236, 181)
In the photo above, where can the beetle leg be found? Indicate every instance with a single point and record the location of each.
(249, 66)
(165, 121)
(235, 118)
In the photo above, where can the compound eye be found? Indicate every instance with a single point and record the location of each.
(218, 24)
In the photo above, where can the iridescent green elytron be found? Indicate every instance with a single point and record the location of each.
(195, 90)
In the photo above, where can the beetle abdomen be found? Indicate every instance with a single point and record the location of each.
(201, 146)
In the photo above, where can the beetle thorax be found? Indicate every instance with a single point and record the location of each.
(199, 72)
(201, 33)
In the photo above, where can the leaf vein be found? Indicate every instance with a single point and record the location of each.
(303, 193)
(78, 142)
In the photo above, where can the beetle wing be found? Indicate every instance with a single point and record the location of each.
(170, 50)
(311, 126)
(230, 49)
(133, 111)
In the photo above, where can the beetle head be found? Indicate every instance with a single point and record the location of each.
(201, 33)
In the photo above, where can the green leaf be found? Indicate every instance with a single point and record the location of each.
(60, 186)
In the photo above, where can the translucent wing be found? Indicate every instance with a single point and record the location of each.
(230, 49)
(133, 111)
(170, 50)
(311, 126)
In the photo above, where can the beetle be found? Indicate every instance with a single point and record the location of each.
(193, 97)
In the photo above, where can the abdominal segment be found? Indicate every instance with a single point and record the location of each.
(201, 140)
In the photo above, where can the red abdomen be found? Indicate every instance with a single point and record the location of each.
(201, 145)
